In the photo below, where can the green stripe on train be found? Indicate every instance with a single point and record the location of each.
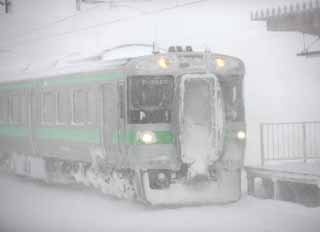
(13, 131)
(70, 134)
(131, 138)
(65, 80)
(84, 135)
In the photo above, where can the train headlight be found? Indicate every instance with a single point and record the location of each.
(147, 137)
(162, 177)
(220, 62)
(163, 63)
(241, 135)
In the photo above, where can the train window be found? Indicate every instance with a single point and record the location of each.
(62, 108)
(16, 109)
(4, 108)
(80, 106)
(233, 101)
(121, 99)
(48, 108)
(91, 108)
(150, 99)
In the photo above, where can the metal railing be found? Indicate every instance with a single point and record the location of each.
(289, 141)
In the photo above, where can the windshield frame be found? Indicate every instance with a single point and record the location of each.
(167, 108)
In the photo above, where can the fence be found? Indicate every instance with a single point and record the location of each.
(289, 141)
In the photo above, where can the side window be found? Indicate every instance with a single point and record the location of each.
(92, 113)
(62, 108)
(232, 93)
(17, 105)
(4, 108)
(80, 106)
(48, 108)
(121, 99)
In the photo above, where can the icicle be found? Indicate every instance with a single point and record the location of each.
(285, 10)
(291, 9)
(256, 15)
(304, 6)
(267, 13)
(298, 7)
(279, 11)
(310, 5)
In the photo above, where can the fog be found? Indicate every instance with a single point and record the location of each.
(279, 86)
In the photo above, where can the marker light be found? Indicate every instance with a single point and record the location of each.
(220, 62)
(162, 177)
(163, 63)
(241, 135)
(147, 137)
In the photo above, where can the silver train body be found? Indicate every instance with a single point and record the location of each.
(164, 129)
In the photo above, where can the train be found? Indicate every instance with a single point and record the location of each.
(166, 128)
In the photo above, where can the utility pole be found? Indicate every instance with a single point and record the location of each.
(6, 4)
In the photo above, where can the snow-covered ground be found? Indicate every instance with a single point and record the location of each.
(33, 207)
(310, 167)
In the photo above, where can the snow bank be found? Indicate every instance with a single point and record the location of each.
(32, 207)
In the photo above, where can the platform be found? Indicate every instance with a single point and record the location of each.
(290, 163)
(294, 181)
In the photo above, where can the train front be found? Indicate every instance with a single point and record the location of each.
(185, 111)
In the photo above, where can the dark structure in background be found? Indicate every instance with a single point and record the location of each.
(304, 18)
(290, 167)
(6, 4)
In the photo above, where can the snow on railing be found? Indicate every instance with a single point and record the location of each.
(289, 141)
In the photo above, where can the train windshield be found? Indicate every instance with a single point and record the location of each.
(150, 99)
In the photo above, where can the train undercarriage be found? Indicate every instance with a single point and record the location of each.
(151, 187)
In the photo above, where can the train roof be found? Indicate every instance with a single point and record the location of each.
(182, 61)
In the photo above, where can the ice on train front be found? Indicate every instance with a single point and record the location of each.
(188, 129)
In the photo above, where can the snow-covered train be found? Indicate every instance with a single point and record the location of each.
(165, 128)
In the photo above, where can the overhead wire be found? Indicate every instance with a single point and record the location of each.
(53, 23)
(110, 22)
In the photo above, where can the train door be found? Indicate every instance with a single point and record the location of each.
(113, 125)
(197, 116)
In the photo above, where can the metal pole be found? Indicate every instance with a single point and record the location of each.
(261, 145)
(304, 135)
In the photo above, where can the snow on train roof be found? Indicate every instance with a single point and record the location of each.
(67, 65)
(109, 61)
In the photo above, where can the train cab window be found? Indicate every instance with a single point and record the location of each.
(80, 106)
(48, 108)
(233, 101)
(150, 99)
